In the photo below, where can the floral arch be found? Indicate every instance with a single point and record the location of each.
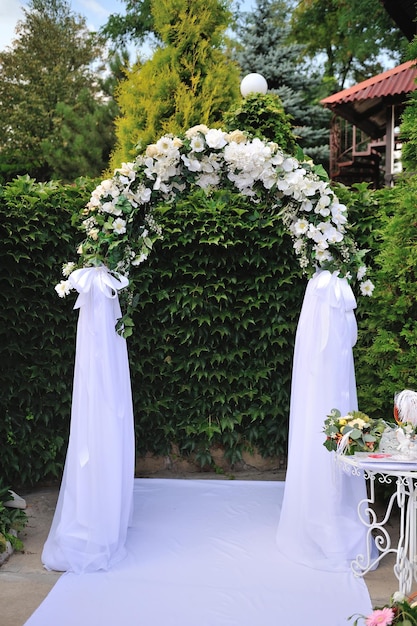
(121, 229)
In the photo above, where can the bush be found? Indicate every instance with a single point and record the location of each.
(12, 522)
(262, 116)
(387, 351)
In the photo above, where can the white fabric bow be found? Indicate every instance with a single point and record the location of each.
(109, 284)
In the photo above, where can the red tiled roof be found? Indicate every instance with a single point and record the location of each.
(399, 80)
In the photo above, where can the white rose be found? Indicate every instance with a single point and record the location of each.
(215, 138)
(237, 136)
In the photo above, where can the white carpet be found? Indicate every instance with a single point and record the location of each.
(204, 553)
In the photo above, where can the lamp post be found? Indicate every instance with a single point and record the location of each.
(253, 83)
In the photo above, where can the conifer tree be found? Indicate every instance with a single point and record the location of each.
(265, 48)
(54, 120)
(189, 80)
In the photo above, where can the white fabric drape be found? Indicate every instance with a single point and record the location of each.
(89, 528)
(319, 524)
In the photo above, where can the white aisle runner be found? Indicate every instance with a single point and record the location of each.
(204, 553)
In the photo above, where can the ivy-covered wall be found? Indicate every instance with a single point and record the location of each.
(219, 301)
(211, 354)
(37, 333)
(218, 304)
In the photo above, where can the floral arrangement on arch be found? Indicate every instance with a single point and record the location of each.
(120, 227)
(399, 611)
(355, 431)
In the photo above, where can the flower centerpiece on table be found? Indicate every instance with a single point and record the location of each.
(120, 225)
(400, 611)
(356, 431)
(400, 437)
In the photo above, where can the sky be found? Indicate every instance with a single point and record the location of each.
(96, 13)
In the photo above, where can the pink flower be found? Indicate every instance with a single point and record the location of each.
(380, 617)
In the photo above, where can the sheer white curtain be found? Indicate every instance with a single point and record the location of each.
(89, 528)
(319, 524)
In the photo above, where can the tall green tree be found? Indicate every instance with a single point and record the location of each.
(357, 37)
(55, 120)
(189, 80)
(265, 48)
(136, 24)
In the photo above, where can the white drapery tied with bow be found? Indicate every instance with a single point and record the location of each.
(89, 529)
(318, 525)
(109, 284)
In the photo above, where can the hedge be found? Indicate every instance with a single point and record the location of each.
(387, 347)
(214, 331)
(211, 355)
(37, 334)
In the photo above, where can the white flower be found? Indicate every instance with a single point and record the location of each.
(332, 234)
(322, 206)
(197, 143)
(398, 596)
(210, 163)
(306, 205)
(289, 164)
(300, 227)
(358, 423)
(361, 272)
(200, 128)
(151, 151)
(311, 186)
(367, 288)
(216, 138)
(89, 225)
(68, 268)
(165, 145)
(177, 142)
(140, 196)
(193, 165)
(298, 246)
(237, 136)
(107, 188)
(322, 255)
(127, 172)
(63, 288)
(318, 237)
(338, 212)
(139, 259)
(110, 207)
(119, 226)
(208, 180)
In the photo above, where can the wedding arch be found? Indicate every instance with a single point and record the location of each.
(120, 229)
(120, 226)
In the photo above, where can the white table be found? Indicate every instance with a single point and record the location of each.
(404, 476)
